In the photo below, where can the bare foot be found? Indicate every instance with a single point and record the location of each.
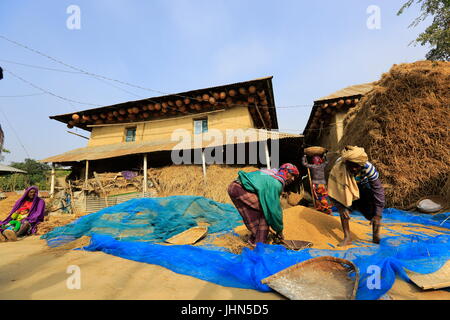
(345, 242)
(376, 239)
(2, 237)
(252, 245)
(10, 235)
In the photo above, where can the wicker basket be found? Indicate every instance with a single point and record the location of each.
(295, 198)
(315, 151)
(322, 278)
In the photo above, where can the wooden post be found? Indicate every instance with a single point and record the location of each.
(204, 164)
(144, 189)
(312, 189)
(266, 149)
(52, 181)
(86, 173)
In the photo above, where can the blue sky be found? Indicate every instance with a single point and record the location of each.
(312, 48)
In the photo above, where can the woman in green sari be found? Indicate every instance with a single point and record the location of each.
(256, 195)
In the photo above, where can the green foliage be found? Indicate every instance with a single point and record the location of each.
(37, 174)
(437, 35)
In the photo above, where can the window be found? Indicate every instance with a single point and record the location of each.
(200, 126)
(130, 134)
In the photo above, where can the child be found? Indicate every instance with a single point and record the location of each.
(319, 185)
(16, 217)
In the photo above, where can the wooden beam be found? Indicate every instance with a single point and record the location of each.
(52, 181)
(76, 134)
(145, 186)
(204, 164)
(266, 149)
(86, 176)
(260, 116)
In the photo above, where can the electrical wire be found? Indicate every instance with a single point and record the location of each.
(115, 80)
(15, 133)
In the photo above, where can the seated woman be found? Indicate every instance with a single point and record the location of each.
(29, 211)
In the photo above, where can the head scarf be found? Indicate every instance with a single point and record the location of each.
(342, 184)
(36, 214)
(354, 154)
(281, 173)
(317, 160)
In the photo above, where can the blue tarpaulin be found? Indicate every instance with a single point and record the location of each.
(133, 229)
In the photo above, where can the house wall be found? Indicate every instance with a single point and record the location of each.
(331, 136)
(235, 118)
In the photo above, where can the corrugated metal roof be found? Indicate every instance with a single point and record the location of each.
(351, 91)
(359, 89)
(8, 169)
(129, 148)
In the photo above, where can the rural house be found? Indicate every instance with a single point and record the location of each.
(229, 124)
(325, 126)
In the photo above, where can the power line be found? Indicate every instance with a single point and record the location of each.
(48, 92)
(114, 80)
(39, 67)
(24, 95)
(73, 72)
(15, 133)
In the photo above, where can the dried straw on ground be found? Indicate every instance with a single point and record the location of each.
(188, 180)
(403, 124)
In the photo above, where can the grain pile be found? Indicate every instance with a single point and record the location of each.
(324, 231)
(403, 124)
(188, 180)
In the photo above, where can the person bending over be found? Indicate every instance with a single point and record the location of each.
(354, 184)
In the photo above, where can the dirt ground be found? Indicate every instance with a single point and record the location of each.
(29, 270)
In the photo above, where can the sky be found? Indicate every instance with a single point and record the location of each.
(311, 48)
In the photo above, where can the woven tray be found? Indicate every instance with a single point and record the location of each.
(296, 244)
(315, 151)
(436, 199)
(189, 236)
(322, 278)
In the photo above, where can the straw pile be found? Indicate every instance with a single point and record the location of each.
(403, 124)
(52, 221)
(7, 204)
(188, 180)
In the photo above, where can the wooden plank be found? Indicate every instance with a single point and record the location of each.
(436, 280)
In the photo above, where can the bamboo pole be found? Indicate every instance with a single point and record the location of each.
(52, 181)
(144, 189)
(86, 177)
(266, 150)
(312, 189)
(204, 164)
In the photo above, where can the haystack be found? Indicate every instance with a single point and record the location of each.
(188, 180)
(403, 124)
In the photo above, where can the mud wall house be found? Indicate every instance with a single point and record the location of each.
(325, 126)
(136, 135)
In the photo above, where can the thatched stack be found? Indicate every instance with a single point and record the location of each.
(188, 180)
(403, 124)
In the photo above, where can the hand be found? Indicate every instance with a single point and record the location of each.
(280, 235)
